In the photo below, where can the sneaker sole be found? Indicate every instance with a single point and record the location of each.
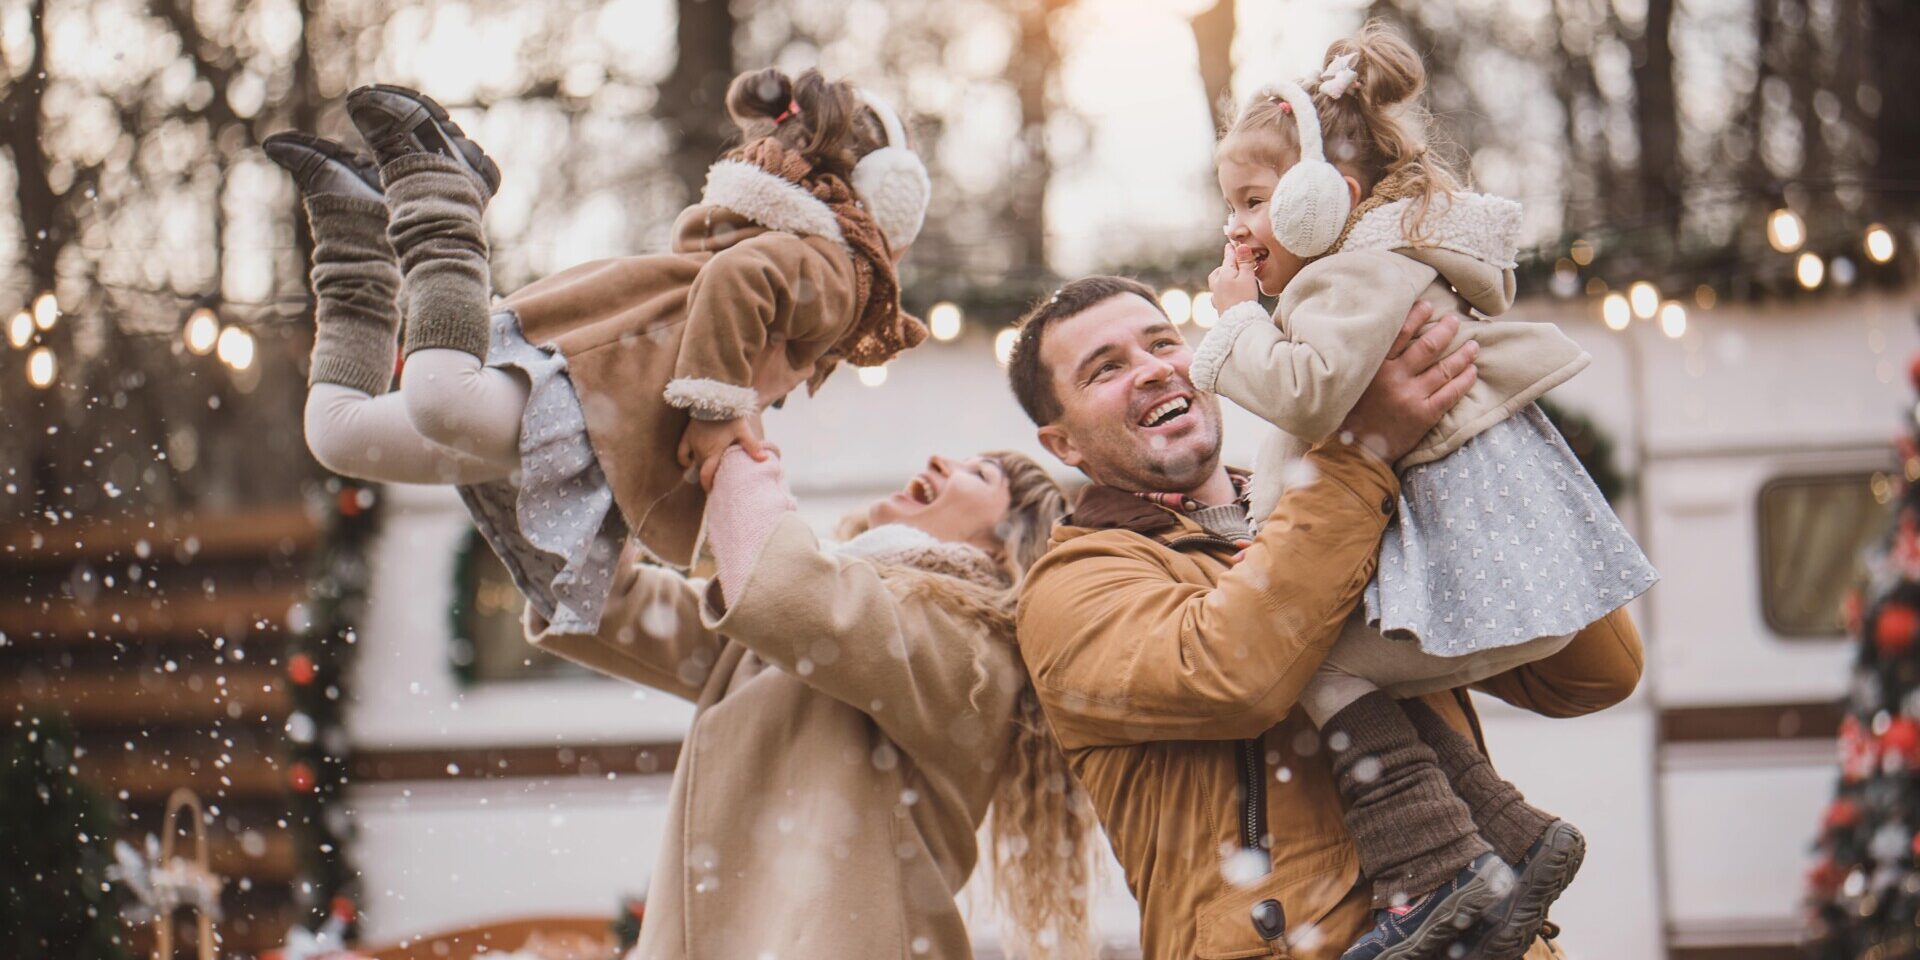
(328, 150)
(1548, 876)
(1452, 918)
(470, 151)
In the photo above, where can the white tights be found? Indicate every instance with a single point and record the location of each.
(1363, 661)
(453, 420)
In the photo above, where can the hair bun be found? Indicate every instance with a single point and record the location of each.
(1391, 73)
(759, 95)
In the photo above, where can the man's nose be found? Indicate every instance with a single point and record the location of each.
(1152, 368)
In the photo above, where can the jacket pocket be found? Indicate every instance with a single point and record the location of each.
(1308, 887)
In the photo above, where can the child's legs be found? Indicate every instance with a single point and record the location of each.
(454, 400)
(372, 438)
(355, 283)
(437, 205)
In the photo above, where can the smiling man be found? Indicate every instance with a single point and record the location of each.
(1168, 640)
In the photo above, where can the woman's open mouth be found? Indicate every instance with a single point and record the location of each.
(1166, 412)
(920, 491)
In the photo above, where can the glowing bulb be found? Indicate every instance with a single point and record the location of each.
(235, 348)
(40, 368)
(1644, 298)
(46, 310)
(1615, 312)
(1178, 304)
(203, 329)
(1673, 319)
(873, 376)
(1785, 230)
(1204, 315)
(1003, 345)
(20, 330)
(944, 319)
(1879, 244)
(1810, 270)
(1581, 252)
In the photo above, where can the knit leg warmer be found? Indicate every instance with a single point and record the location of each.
(1504, 817)
(1412, 831)
(436, 230)
(355, 283)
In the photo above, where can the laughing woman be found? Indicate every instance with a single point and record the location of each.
(860, 708)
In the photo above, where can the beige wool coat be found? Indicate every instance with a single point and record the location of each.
(849, 732)
(1303, 368)
(653, 340)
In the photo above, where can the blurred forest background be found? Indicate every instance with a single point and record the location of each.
(152, 261)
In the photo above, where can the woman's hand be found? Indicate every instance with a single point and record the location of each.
(706, 440)
(1234, 281)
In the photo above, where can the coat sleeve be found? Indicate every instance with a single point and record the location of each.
(650, 633)
(836, 624)
(1122, 650)
(1598, 668)
(1337, 321)
(774, 283)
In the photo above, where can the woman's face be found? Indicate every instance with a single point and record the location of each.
(960, 501)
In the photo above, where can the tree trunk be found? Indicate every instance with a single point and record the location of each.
(693, 97)
(1657, 120)
(1213, 33)
(1036, 59)
(44, 221)
(1893, 29)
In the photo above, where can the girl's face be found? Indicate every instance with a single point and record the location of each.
(957, 501)
(1247, 187)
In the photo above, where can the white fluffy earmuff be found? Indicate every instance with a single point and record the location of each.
(892, 181)
(1310, 203)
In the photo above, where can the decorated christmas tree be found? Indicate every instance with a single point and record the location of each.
(1863, 889)
(55, 839)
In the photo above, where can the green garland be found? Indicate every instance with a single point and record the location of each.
(463, 652)
(1592, 446)
(56, 837)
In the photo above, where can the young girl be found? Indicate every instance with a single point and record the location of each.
(1503, 547)
(570, 413)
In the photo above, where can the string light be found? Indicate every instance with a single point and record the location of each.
(1673, 319)
(1785, 230)
(40, 368)
(1615, 312)
(235, 348)
(1842, 272)
(1581, 252)
(1705, 296)
(944, 319)
(1645, 299)
(1178, 304)
(202, 330)
(1003, 345)
(873, 376)
(46, 310)
(1879, 244)
(1809, 269)
(20, 330)
(1204, 314)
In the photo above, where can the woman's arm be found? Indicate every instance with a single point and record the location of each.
(651, 631)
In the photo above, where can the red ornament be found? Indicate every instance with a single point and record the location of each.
(1893, 629)
(1823, 881)
(300, 669)
(349, 501)
(1903, 737)
(301, 776)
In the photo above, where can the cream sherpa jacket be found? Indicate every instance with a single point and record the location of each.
(1303, 368)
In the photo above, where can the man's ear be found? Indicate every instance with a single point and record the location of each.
(1059, 443)
(1353, 190)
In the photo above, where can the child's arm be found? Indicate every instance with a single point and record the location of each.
(1341, 314)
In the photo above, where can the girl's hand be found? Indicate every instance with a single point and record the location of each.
(706, 440)
(1233, 282)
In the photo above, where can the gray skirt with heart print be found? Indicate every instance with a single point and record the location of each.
(1503, 541)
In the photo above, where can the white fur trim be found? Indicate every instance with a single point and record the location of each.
(712, 399)
(1481, 226)
(1211, 354)
(897, 543)
(773, 202)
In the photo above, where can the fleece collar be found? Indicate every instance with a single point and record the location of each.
(771, 201)
(1479, 225)
(897, 543)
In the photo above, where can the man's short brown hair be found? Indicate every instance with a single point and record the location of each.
(1032, 382)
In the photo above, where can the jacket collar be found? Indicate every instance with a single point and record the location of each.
(1101, 507)
(1484, 227)
(770, 201)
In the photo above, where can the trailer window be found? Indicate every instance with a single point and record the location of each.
(1814, 531)
(488, 645)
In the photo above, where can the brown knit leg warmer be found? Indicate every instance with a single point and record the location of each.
(1412, 832)
(355, 281)
(1504, 817)
(443, 251)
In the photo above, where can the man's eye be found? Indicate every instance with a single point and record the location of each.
(1163, 343)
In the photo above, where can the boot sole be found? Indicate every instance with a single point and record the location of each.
(1544, 880)
(470, 152)
(328, 150)
(1452, 918)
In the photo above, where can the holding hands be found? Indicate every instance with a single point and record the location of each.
(774, 376)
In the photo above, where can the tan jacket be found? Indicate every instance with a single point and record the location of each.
(1303, 368)
(840, 761)
(1170, 678)
(650, 339)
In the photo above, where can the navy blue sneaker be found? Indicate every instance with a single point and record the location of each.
(1542, 875)
(1426, 927)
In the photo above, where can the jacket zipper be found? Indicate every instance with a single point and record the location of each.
(1250, 753)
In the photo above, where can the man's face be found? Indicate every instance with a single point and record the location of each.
(1130, 418)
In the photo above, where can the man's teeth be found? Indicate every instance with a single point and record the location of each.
(1165, 411)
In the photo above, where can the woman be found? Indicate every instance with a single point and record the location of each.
(859, 708)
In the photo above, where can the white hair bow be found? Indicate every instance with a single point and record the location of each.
(1339, 76)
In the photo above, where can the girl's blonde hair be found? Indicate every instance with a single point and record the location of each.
(1376, 130)
(1042, 833)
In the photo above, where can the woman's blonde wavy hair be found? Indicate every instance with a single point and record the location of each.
(1043, 835)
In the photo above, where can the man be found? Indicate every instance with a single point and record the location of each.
(1168, 646)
